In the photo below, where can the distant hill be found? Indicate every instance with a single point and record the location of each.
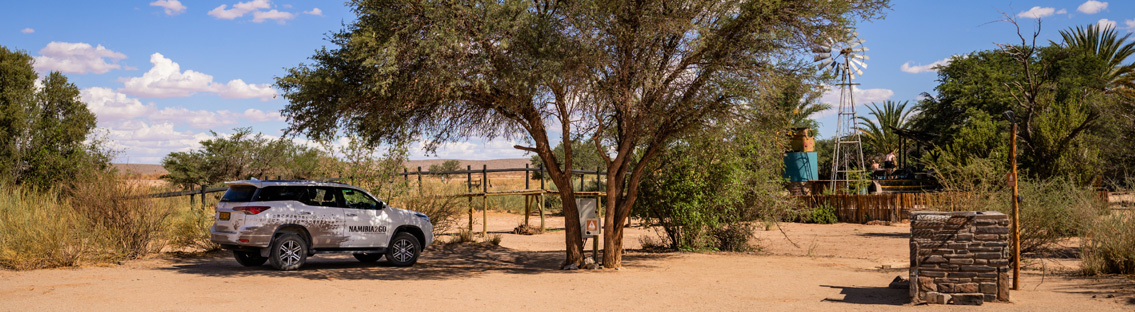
(140, 169)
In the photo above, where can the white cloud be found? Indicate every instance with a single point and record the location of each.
(29, 30)
(915, 69)
(165, 79)
(76, 58)
(172, 7)
(112, 107)
(1062, 11)
(1130, 24)
(257, 115)
(1105, 23)
(195, 119)
(237, 89)
(261, 16)
(239, 9)
(148, 143)
(862, 96)
(1037, 12)
(1092, 7)
(314, 11)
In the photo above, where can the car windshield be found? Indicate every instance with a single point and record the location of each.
(239, 193)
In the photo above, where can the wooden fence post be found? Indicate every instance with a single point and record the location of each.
(485, 201)
(469, 189)
(419, 180)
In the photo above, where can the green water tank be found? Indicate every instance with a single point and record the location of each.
(800, 167)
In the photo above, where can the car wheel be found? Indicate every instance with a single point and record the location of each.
(403, 250)
(369, 257)
(289, 251)
(249, 259)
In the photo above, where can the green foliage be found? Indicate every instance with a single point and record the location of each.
(44, 131)
(705, 189)
(824, 214)
(1064, 97)
(799, 98)
(1106, 45)
(584, 157)
(446, 166)
(877, 133)
(242, 156)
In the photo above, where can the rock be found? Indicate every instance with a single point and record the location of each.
(572, 266)
(934, 297)
(968, 299)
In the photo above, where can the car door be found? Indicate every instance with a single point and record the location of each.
(367, 224)
(323, 217)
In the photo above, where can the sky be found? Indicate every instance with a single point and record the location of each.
(163, 75)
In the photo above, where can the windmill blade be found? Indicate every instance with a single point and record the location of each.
(860, 49)
(822, 49)
(820, 57)
(855, 34)
(826, 62)
(859, 63)
(856, 43)
(861, 56)
(859, 71)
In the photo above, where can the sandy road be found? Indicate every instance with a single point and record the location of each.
(835, 268)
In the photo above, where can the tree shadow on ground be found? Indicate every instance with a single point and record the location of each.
(437, 263)
(871, 295)
(1102, 287)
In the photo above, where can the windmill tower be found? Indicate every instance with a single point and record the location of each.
(846, 60)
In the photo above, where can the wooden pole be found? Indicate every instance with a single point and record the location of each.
(419, 180)
(485, 201)
(469, 189)
(526, 176)
(1016, 210)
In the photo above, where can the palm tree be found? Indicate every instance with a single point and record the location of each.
(1108, 46)
(878, 134)
(801, 103)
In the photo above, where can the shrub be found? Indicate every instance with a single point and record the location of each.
(463, 236)
(824, 214)
(189, 228)
(495, 239)
(37, 230)
(1108, 246)
(118, 213)
(444, 211)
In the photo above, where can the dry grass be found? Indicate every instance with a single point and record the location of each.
(37, 230)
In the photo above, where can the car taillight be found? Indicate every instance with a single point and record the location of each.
(251, 209)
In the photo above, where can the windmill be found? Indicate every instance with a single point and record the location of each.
(846, 60)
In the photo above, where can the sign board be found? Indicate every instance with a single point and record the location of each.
(1012, 181)
(588, 216)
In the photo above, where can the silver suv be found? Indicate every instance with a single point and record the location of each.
(284, 222)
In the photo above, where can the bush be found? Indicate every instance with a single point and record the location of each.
(189, 228)
(444, 211)
(37, 230)
(824, 214)
(1108, 246)
(118, 213)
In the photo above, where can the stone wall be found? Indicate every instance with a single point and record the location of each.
(959, 257)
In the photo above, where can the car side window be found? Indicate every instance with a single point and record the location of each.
(324, 196)
(360, 200)
(281, 193)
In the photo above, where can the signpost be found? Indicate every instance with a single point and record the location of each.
(589, 223)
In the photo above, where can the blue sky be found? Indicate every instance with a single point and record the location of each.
(161, 74)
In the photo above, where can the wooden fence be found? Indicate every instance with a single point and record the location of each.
(886, 207)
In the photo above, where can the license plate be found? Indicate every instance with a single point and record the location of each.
(224, 215)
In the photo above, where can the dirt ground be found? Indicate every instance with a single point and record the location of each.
(841, 267)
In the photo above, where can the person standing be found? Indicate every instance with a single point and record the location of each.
(889, 163)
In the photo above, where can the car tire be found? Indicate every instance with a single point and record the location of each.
(368, 257)
(289, 252)
(249, 259)
(403, 250)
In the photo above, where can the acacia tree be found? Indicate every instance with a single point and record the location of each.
(630, 74)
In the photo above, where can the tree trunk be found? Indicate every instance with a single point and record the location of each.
(573, 236)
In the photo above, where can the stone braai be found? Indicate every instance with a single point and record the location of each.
(959, 257)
